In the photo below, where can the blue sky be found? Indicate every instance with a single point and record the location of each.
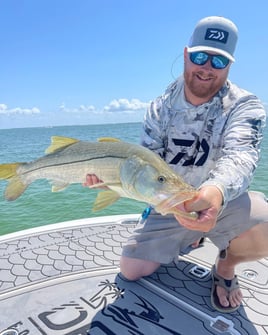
(74, 62)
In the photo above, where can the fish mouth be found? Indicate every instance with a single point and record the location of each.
(169, 205)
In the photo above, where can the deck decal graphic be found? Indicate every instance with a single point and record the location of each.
(64, 280)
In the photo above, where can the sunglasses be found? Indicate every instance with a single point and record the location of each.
(216, 61)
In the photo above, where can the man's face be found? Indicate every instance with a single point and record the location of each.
(202, 82)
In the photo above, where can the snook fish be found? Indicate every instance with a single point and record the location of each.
(128, 170)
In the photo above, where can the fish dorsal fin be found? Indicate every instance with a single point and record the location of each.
(108, 139)
(60, 142)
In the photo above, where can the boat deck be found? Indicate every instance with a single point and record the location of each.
(64, 279)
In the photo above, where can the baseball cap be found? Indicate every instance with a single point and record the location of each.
(216, 34)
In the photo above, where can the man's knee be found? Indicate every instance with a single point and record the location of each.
(253, 242)
(134, 268)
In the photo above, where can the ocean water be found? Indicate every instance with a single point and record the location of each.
(38, 206)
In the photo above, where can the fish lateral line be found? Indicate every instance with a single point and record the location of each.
(65, 163)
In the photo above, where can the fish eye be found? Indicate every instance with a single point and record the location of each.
(161, 179)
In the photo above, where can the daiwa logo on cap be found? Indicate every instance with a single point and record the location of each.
(219, 35)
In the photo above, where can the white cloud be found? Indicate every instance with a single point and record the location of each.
(80, 109)
(18, 110)
(118, 110)
(3, 108)
(90, 108)
(124, 105)
(116, 105)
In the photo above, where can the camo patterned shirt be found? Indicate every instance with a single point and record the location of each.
(216, 143)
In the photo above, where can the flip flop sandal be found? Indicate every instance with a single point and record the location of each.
(228, 284)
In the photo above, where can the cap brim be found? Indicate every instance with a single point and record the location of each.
(216, 50)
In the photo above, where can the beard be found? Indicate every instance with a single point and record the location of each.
(203, 85)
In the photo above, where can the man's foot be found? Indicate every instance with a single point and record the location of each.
(226, 296)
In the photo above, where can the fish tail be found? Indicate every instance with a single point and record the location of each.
(15, 186)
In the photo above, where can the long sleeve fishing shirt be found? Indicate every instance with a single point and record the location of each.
(216, 143)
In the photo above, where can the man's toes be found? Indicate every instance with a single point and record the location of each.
(222, 297)
(224, 301)
(235, 298)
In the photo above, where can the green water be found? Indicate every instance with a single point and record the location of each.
(38, 206)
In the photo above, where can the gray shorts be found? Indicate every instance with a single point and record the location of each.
(161, 238)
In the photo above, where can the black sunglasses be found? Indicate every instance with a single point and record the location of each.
(216, 61)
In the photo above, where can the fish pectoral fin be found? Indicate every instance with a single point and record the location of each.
(104, 199)
(108, 139)
(60, 142)
(57, 187)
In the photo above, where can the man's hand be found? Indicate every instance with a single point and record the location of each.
(207, 204)
(92, 180)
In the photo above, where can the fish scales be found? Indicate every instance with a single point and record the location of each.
(128, 170)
